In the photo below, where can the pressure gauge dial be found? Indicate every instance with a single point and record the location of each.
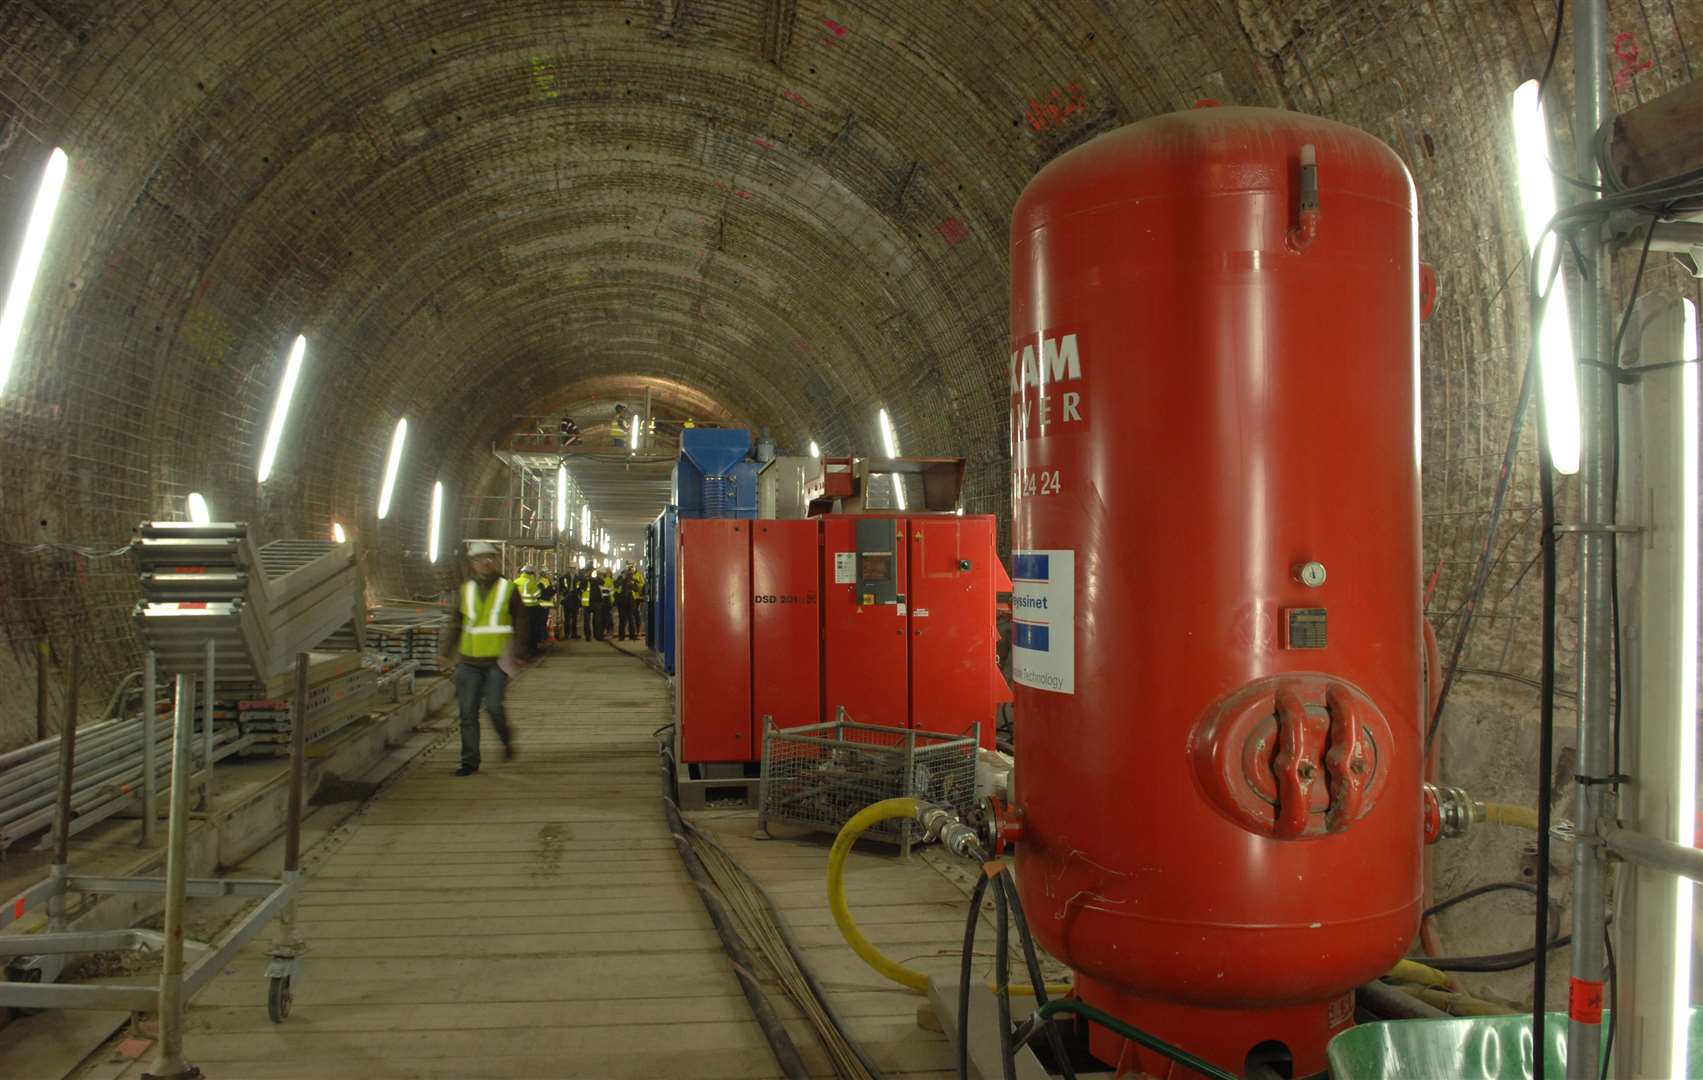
(1310, 574)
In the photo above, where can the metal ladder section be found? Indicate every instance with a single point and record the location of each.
(260, 606)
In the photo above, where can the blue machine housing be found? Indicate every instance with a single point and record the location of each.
(715, 477)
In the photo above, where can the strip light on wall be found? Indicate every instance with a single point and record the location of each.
(815, 451)
(197, 507)
(338, 534)
(1559, 381)
(437, 521)
(633, 438)
(29, 260)
(561, 498)
(1685, 805)
(890, 443)
(585, 522)
(391, 465)
(281, 408)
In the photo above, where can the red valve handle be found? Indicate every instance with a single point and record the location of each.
(1293, 767)
(1345, 762)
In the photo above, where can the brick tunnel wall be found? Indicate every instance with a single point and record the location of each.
(798, 208)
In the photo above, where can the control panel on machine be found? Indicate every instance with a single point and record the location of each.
(877, 560)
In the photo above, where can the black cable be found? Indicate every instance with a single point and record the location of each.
(1546, 737)
(966, 972)
(1002, 979)
(1037, 980)
(1613, 1003)
(1508, 961)
(1472, 894)
(794, 947)
(744, 970)
(1554, 48)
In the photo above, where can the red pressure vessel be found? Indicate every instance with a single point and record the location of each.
(1215, 457)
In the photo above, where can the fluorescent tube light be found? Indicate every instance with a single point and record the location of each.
(391, 465)
(1685, 755)
(281, 408)
(1559, 380)
(29, 260)
(561, 498)
(437, 520)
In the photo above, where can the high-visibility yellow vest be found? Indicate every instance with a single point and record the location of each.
(528, 586)
(485, 623)
(608, 587)
(585, 595)
(618, 429)
(638, 586)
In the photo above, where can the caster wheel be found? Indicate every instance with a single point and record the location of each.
(278, 998)
(24, 975)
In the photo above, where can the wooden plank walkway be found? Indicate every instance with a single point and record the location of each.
(534, 920)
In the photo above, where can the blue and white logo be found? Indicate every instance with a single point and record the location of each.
(1043, 611)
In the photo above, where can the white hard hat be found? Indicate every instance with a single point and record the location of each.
(478, 548)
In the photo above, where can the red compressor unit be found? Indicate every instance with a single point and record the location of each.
(1215, 455)
(890, 617)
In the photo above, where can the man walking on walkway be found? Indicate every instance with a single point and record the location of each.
(484, 628)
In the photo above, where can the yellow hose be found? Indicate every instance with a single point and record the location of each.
(861, 822)
(1413, 971)
(1519, 817)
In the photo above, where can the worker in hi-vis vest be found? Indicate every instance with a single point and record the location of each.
(526, 583)
(587, 609)
(483, 629)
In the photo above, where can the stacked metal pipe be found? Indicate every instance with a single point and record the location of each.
(107, 779)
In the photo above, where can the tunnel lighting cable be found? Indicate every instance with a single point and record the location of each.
(890, 443)
(1685, 755)
(391, 465)
(437, 520)
(29, 259)
(1558, 376)
(197, 508)
(281, 408)
(338, 534)
(561, 499)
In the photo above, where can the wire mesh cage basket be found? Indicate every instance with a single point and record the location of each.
(820, 775)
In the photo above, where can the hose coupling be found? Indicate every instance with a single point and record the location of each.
(1449, 812)
(957, 837)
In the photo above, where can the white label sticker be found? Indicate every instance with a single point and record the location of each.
(1043, 619)
(901, 609)
(845, 568)
(921, 613)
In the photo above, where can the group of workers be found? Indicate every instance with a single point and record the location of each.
(597, 601)
(498, 625)
(620, 428)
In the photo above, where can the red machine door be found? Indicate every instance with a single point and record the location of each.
(713, 629)
(786, 623)
(955, 678)
(864, 657)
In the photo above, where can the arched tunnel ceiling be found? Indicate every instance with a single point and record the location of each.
(797, 209)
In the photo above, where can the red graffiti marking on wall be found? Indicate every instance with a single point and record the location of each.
(743, 194)
(764, 143)
(1631, 62)
(118, 258)
(805, 345)
(795, 97)
(201, 292)
(952, 231)
(1063, 101)
(838, 30)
